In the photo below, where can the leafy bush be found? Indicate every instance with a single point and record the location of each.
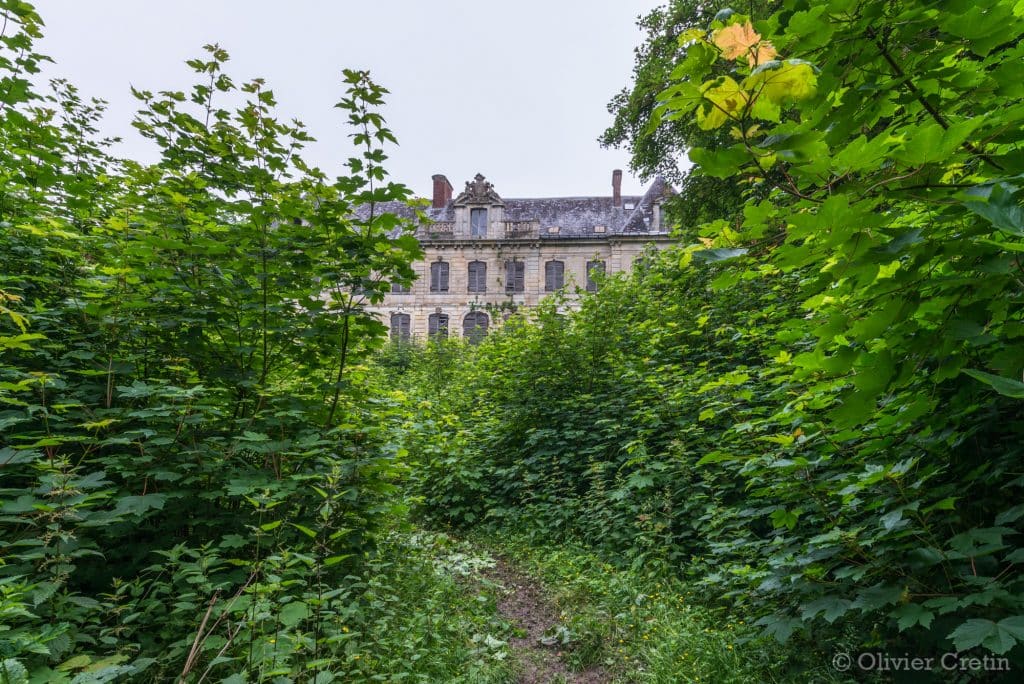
(814, 409)
(196, 463)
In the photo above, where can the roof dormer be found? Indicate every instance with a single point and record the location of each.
(478, 210)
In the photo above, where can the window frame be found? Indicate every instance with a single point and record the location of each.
(404, 327)
(473, 227)
(436, 323)
(559, 275)
(515, 276)
(476, 282)
(596, 264)
(468, 334)
(440, 276)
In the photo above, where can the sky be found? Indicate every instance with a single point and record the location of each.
(515, 90)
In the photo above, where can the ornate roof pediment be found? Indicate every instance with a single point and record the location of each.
(478, 191)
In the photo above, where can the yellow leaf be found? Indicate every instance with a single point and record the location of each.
(690, 35)
(781, 81)
(735, 40)
(723, 99)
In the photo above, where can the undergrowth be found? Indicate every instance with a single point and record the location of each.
(650, 629)
(426, 618)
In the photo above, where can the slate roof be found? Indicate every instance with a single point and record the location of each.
(575, 217)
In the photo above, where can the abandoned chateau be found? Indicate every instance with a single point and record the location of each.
(486, 256)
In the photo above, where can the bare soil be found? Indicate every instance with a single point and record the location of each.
(522, 602)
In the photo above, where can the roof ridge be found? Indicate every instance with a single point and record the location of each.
(568, 197)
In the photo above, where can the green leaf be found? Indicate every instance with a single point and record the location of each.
(911, 614)
(831, 607)
(305, 530)
(784, 518)
(1005, 386)
(780, 627)
(713, 255)
(13, 672)
(137, 505)
(999, 208)
(1010, 515)
(720, 163)
(998, 637)
(75, 663)
(293, 613)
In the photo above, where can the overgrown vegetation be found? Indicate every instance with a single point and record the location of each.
(645, 628)
(814, 411)
(802, 423)
(196, 460)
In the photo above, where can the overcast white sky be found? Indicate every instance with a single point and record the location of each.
(515, 90)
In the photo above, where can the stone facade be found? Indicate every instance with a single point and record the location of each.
(480, 230)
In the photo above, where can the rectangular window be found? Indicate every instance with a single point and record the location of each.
(439, 276)
(399, 288)
(554, 276)
(515, 276)
(594, 268)
(477, 276)
(401, 326)
(437, 324)
(478, 222)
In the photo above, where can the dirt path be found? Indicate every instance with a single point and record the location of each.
(523, 604)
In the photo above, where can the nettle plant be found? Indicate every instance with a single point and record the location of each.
(888, 137)
(194, 460)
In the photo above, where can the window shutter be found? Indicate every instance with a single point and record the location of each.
(437, 324)
(439, 276)
(400, 326)
(477, 276)
(593, 267)
(515, 276)
(554, 276)
(474, 326)
(478, 222)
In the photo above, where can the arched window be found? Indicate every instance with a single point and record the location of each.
(401, 326)
(478, 222)
(437, 325)
(477, 276)
(554, 276)
(474, 326)
(515, 276)
(439, 276)
(594, 268)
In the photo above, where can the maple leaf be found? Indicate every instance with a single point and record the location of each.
(764, 52)
(782, 81)
(723, 99)
(734, 41)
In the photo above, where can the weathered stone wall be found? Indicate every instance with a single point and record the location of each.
(618, 252)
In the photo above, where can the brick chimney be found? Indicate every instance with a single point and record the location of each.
(616, 188)
(442, 191)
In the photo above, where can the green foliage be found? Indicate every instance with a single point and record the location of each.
(196, 460)
(658, 145)
(815, 411)
(651, 629)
